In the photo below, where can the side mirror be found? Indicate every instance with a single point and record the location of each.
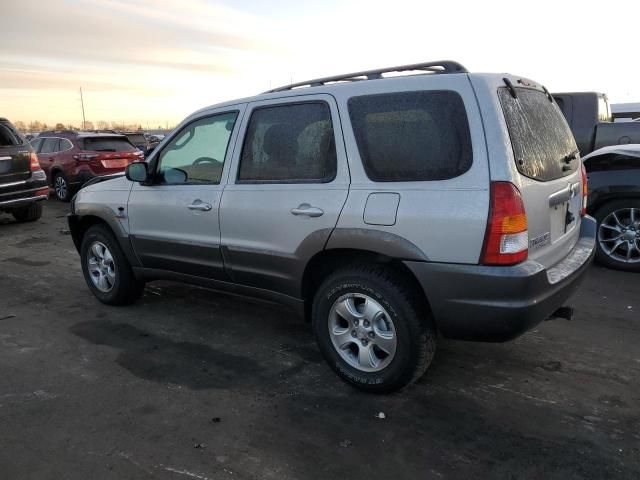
(137, 172)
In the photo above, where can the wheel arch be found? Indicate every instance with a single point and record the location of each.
(325, 262)
(79, 224)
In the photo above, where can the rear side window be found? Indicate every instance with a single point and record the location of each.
(107, 144)
(289, 144)
(64, 145)
(8, 137)
(412, 136)
(539, 133)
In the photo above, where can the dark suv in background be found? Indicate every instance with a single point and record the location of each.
(70, 158)
(23, 184)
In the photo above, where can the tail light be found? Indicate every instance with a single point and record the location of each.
(585, 191)
(34, 164)
(507, 239)
(85, 157)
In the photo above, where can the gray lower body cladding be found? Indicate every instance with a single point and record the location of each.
(483, 303)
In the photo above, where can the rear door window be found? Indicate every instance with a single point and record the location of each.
(540, 135)
(36, 143)
(107, 144)
(49, 145)
(412, 136)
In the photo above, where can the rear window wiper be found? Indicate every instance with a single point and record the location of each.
(569, 157)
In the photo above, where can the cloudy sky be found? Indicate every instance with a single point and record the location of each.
(155, 61)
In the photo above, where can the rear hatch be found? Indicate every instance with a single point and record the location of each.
(109, 153)
(548, 166)
(15, 158)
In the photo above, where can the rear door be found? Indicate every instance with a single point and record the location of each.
(15, 158)
(288, 183)
(548, 171)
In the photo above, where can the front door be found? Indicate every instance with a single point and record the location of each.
(173, 220)
(288, 183)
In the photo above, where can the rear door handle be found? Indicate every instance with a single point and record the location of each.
(200, 205)
(307, 210)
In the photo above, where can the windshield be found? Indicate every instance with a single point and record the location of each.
(540, 136)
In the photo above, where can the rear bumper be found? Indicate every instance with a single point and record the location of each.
(475, 302)
(20, 194)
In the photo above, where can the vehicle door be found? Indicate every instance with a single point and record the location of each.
(288, 183)
(47, 154)
(173, 219)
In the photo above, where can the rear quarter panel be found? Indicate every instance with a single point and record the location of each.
(445, 219)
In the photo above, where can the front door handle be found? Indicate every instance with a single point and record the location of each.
(200, 205)
(308, 210)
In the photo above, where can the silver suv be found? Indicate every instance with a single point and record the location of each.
(385, 208)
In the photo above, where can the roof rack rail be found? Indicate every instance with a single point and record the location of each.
(443, 66)
(65, 131)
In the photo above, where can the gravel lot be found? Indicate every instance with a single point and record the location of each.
(189, 383)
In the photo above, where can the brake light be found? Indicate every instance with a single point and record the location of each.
(84, 157)
(34, 164)
(585, 191)
(507, 238)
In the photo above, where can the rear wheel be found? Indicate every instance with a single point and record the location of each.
(106, 269)
(372, 329)
(30, 213)
(61, 187)
(618, 243)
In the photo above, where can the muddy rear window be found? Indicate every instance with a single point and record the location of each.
(107, 144)
(540, 136)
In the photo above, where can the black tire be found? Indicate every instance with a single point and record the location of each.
(126, 289)
(414, 328)
(60, 180)
(30, 213)
(600, 215)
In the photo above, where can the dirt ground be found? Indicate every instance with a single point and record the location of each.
(192, 384)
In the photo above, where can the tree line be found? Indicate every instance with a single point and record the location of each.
(37, 126)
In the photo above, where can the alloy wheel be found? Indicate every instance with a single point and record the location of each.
(101, 267)
(60, 186)
(362, 332)
(619, 235)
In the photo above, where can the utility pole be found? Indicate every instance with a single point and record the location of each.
(84, 122)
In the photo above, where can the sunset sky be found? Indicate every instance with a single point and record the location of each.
(153, 62)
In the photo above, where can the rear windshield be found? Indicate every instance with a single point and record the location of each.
(107, 144)
(412, 136)
(8, 136)
(540, 136)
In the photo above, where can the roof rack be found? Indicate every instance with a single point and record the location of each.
(65, 132)
(444, 66)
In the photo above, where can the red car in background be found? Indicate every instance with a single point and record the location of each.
(70, 158)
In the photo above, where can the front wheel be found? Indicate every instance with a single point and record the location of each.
(106, 269)
(618, 243)
(372, 329)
